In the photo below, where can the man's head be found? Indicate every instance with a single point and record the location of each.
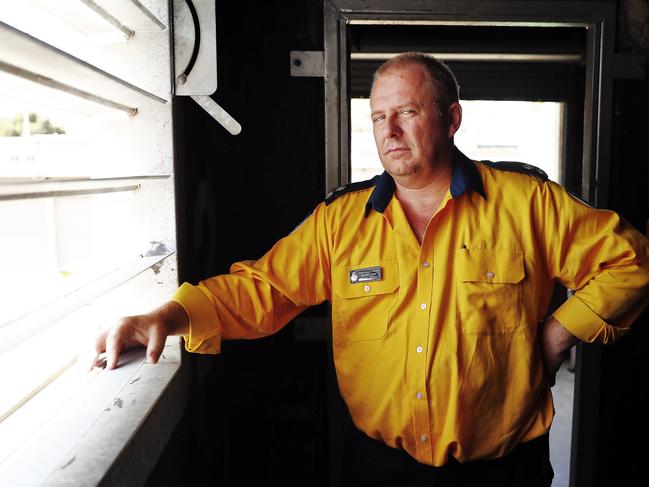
(440, 75)
(415, 113)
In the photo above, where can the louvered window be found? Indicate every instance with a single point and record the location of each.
(87, 226)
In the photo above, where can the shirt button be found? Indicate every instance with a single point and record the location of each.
(423, 438)
(419, 395)
(490, 275)
(422, 305)
(426, 264)
(366, 288)
(420, 349)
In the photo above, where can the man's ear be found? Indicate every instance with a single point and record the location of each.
(454, 118)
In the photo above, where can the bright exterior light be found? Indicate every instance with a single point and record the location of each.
(522, 131)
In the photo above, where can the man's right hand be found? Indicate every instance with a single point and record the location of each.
(150, 330)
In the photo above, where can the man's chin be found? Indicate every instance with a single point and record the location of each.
(401, 170)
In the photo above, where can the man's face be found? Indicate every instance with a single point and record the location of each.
(410, 135)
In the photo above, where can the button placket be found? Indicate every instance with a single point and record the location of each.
(424, 276)
(421, 424)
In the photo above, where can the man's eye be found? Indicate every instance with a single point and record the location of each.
(378, 118)
(407, 111)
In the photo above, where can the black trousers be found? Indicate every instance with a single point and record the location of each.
(370, 463)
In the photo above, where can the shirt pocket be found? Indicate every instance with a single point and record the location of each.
(489, 290)
(361, 310)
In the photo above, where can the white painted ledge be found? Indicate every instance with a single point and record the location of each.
(113, 431)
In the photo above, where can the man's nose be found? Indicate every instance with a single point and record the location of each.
(391, 127)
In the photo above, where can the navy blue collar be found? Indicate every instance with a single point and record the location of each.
(382, 194)
(465, 176)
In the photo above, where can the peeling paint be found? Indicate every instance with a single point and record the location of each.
(156, 248)
(118, 402)
(69, 462)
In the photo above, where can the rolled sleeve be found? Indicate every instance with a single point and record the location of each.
(599, 255)
(204, 328)
(585, 324)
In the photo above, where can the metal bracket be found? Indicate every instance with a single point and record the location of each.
(218, 113)
(195, 57)
(308, 64)
(194, 47)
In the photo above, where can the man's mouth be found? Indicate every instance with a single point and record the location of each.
(396, 150)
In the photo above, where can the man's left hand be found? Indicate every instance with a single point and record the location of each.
(556, 342)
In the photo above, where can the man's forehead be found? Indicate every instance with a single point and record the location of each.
(405, 80)
(408, 70)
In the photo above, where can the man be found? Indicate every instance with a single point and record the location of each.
(439, 273)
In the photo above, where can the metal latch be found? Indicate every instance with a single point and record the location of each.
(195, 57)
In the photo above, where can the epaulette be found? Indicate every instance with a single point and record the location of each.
(519, 167)
(579, 198)
(349, 188)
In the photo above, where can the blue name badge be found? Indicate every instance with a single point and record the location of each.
(368, 274)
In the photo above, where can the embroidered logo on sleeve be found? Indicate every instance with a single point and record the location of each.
(368, 274)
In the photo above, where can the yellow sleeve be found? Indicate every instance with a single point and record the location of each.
(602, 258)
(257, 298)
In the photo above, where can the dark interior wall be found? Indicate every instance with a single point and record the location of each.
(622, 445)
(257, 411)
(263, 182)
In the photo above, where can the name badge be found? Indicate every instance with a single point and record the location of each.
(368, 274)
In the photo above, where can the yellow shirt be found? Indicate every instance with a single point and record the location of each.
(435, 345)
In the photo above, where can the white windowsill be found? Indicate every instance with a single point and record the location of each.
(112, 431)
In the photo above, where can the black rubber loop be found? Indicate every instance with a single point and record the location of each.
(197, 38)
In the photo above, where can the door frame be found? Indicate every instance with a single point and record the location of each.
(598, 18)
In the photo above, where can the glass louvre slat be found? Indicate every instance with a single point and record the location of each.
(16, 189)
(130, 13)
(17, 331)
(29, 54)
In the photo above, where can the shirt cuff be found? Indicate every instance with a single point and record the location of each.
(204, 329)
(585, 324)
